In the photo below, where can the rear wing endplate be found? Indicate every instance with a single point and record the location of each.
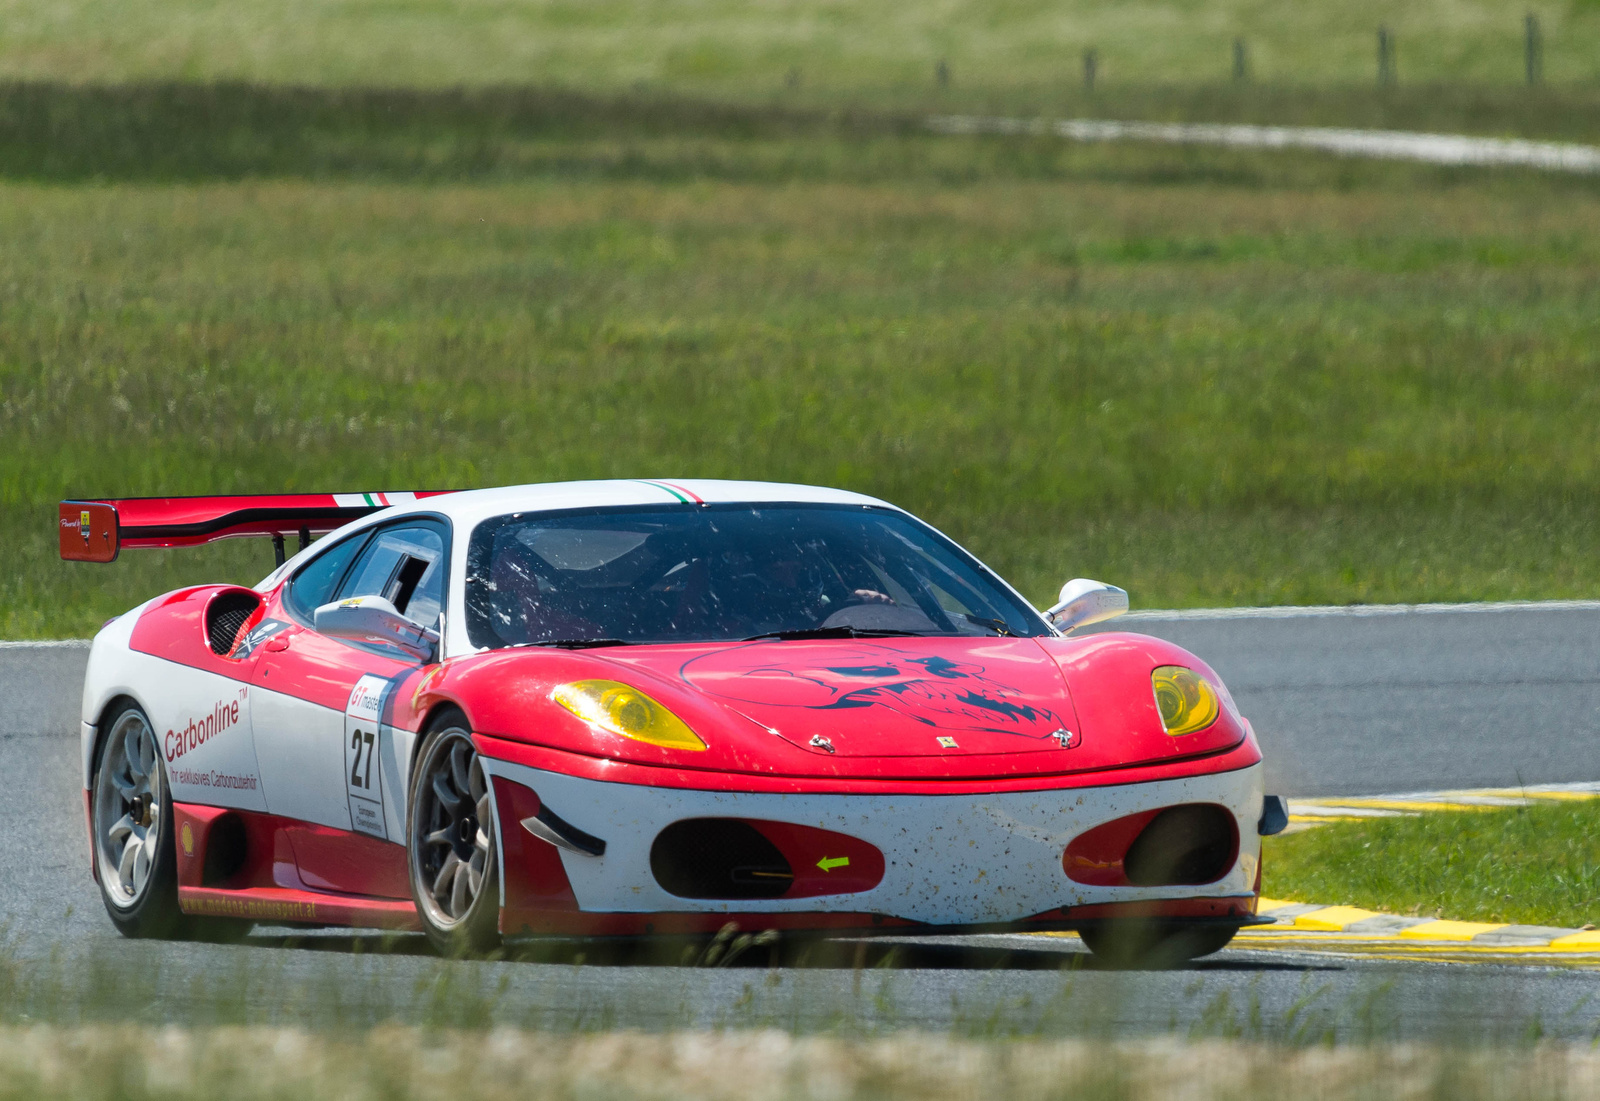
(97, 531)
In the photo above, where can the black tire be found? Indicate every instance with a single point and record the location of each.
(451, 850)
(130, 806)
(1146, 944)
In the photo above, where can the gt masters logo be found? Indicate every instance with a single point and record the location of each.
(201, 730)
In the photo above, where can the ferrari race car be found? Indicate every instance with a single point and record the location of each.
(648, 708)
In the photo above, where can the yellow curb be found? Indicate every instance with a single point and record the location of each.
(1332, 919)
(1267, 905)
(1586, 941)
(1449, 930)
(1518, 793)
(1405, 804)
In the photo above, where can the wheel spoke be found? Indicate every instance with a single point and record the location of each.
(124, 783)
(476, 784)
(130, 853)
(141, 861)
(461, 892)
(147, 758)
(438, 837)
(458, 769)
(131, 754)
(120, 828)
(447, 796)
(446, 877)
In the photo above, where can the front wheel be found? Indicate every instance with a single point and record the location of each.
(1134, 943)
(132, 821)
(450, 843)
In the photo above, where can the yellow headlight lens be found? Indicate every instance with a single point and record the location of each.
(614, 706)
(1186, 701)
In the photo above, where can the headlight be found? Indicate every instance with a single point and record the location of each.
(614, 706)
(1186, 701)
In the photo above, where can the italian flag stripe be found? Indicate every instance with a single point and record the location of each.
(682, 500)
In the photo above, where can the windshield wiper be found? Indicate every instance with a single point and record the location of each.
(835, 632)
(999, 627)
(579, 643)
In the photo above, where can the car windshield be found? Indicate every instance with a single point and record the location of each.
(710, 573)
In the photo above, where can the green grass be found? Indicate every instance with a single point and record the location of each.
(1538, 865)
(1212, 377)
(860, 48)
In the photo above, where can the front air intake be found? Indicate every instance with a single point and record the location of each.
(1183, 846)
(723, 858)
(1179, 846)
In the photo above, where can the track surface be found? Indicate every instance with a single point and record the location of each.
(1343, 705)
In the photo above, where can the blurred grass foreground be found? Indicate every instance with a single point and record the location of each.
(1212, 377)
(128, 1063)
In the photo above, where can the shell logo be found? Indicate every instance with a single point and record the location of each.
(186, 837)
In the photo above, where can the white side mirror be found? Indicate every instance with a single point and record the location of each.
(1083, 602)
(373, 621)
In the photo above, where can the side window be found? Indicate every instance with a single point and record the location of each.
(315, 582)
(406, 567)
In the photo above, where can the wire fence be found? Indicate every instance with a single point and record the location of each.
(1387, 70)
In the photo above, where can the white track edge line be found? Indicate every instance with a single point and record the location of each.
(1449, 149)
(1358, 611)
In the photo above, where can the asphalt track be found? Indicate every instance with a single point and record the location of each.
(1344, 703)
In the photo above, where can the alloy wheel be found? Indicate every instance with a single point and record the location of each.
(451, 845)
(130, 793)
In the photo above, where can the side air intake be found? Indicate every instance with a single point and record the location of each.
(227, 613)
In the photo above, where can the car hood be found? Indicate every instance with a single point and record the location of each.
(899, 697)
(894, 708)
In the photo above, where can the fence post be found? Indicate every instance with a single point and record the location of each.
(1091, 62)
(1385, 57)
(941, 74)
(1241, 61)
(1533, 49)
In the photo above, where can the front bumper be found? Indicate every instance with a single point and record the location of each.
(969, 860)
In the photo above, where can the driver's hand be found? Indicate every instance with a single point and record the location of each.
(872, 596)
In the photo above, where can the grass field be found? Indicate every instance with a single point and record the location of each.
(1537, 865)
(872, 49)
(1211, 377)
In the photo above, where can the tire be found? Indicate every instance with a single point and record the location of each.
(1145, 944)
(450, 842)
(131, 822)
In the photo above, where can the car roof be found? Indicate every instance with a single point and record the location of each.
(469, 507)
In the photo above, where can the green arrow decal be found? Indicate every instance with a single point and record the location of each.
(828, 863)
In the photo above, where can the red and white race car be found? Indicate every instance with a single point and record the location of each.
(648, 708)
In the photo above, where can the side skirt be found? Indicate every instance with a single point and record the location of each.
(287, 905)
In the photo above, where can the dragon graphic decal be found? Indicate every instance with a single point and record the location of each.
(930, 690)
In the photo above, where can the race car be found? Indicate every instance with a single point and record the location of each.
(648, 708)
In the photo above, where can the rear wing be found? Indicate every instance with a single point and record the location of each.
(97, 531)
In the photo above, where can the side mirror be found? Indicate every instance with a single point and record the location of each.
(373, 621)
(1083, 602)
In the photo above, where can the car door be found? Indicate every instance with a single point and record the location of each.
(327, 760)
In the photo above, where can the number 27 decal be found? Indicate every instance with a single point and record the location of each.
(364, 740)
(359, 777)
